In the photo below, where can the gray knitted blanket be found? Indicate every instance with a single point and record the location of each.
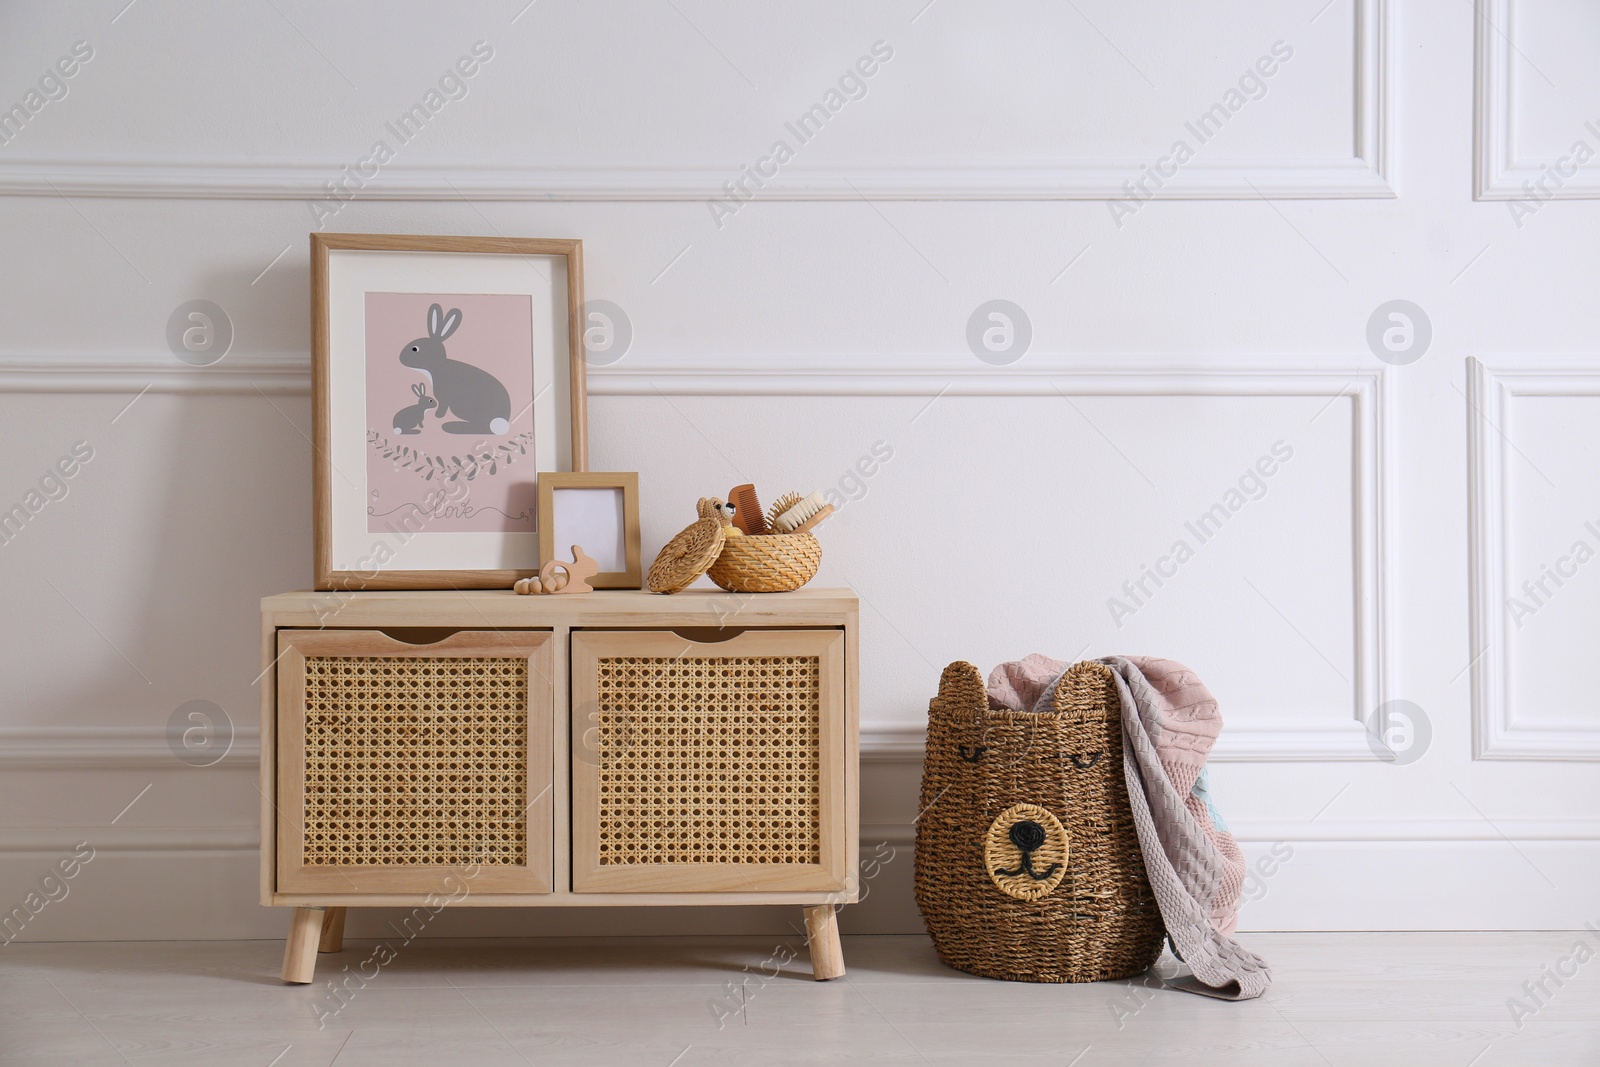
(1169, 725)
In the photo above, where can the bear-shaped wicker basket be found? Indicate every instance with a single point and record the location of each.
(1028, 865)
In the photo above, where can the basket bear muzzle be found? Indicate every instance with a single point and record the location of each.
(1026, 852)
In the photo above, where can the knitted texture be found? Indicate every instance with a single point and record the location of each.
(1189, 722)
(1170, 722)
(1017, 685)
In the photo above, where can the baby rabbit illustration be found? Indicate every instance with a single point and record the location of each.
(409, 420)
(473, 395)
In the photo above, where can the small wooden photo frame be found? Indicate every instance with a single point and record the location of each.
(599, 511)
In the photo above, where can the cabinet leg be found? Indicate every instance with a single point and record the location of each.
(332, 931)
(300, 954)
(822, 935)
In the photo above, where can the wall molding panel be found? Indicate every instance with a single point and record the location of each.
(1355, 178)
(107, 748)
(1364, 174)
(1497, 173)
(934, 376)
(59, 840)
(1360, 381)
(1363, 832)
(1491, 105)
(789, 374)
(1496, 731)
(273, 373)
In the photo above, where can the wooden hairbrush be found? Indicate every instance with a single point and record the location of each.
(796, 514)
(747, 510)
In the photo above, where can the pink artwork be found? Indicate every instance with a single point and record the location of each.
(450, 413)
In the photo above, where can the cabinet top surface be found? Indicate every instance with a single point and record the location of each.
(502, 607)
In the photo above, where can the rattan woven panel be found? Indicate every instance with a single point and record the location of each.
(708, 760)
(416, 762)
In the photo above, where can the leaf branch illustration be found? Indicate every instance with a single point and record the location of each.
(484, 460)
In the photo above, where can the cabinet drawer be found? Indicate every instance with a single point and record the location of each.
(708, 766)
(401, 764)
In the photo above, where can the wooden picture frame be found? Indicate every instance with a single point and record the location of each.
(441, 494)
(556, 541)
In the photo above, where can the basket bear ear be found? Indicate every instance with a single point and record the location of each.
(1088, 689)
(961, 688)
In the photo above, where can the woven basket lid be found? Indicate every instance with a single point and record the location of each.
(690, 554)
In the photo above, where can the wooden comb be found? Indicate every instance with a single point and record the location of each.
(747, 510)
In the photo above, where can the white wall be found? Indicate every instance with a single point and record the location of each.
(1173, 344)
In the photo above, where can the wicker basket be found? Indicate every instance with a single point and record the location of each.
(767, 563)
(1028, 865)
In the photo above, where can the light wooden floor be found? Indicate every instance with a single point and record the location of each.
(1366, 1000)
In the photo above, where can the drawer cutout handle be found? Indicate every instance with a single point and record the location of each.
(708, 635)
(419, 636)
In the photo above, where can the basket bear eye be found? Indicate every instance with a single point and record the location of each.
(972, 755)
(1084, 764)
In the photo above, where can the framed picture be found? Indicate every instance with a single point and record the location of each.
(447, 375)
(600, 513)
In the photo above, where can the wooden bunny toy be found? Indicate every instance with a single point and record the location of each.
(573, 577)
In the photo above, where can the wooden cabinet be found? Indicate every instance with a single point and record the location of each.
(615, 748)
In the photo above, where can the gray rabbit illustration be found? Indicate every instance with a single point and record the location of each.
(471, 394)
(408, 420)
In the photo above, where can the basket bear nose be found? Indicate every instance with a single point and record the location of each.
(1027, 835)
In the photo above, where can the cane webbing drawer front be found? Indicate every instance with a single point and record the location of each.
(415, 762)
(402, 764)
(707, 760)
(707, 766)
